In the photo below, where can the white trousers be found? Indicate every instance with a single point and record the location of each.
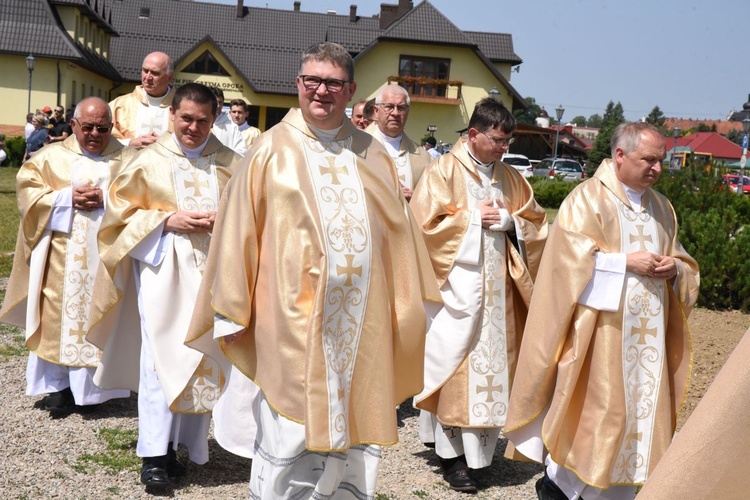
(573, 487)
(477, 444)
(45, 377)
(157, 425)
(283, 469)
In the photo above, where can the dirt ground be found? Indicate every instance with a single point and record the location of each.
(715, 335)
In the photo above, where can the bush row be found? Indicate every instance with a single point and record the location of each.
(15, 147)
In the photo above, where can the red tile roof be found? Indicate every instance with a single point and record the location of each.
(722, 126)
(709, 142)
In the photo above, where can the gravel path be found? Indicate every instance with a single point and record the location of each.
(40, 456)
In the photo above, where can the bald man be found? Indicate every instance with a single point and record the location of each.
(142, 116)
(61, 199)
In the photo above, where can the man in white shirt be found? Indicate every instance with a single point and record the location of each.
(238, 112)
(225, 129)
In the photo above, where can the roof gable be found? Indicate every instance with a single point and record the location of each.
(708, 142)
(424, 23)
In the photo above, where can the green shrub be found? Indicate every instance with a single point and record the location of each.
(15, 147)
(550, 193)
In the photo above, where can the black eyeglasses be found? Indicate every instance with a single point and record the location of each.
(388, 107)
(88, 128)
(333, 85)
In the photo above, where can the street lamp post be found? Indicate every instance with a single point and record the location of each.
(30, 61)
(432, 129)
(673, 162)
(559, 114)
(743, 160)
(494, 93)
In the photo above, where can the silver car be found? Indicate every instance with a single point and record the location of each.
(562, 168)
(519, 162)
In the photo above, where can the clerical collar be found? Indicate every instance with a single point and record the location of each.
(92, 156)
(156, 101)
(325, 135)
(191, 152)
(635, 197)
(480, 164)
(244, 126)
(393, 142)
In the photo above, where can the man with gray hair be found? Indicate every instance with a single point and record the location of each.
(61, 193)
(605, 359)
(391, 112)
(142, 116)
(317, 280)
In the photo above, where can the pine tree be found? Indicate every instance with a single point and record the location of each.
(613, 116)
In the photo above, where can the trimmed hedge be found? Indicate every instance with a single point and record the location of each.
(16, 148)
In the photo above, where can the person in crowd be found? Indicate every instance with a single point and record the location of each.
(142, 116)
(430, 145)
(238, 111)
(29, 127)
(153, 244)
(61, 195)
(38, 138)
(225, 129)
(605, 359)
(358, 115)
(391, 112)
(317, 285)
(485, 234)
(61, 129)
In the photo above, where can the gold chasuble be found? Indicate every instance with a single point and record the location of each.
(52, 282)
(602, 389)
(314, 256)
(159, 181)
(133, 116)
(473, 342)
(412, 159)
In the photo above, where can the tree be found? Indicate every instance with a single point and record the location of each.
(613, 116)
(529, 115)
(735, 136)
(595, 121)
(579, 121)
(656, 118)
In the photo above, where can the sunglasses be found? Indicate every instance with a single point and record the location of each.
(88, 128)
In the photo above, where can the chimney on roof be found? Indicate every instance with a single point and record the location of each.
(297, 5)
(352, 13)
(390, 13)
(240, 8)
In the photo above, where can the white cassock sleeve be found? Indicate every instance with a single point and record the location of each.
(61, 218)
(471, 246)
(152, 249)
(604, 290)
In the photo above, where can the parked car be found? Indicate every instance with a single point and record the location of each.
(520, 163)
(733, 180)
(568, 170)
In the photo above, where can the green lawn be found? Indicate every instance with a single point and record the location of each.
(9, 218)
(551, 214)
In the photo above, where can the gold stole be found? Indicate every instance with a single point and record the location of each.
(643, 327)
(340, 197)
(488, 357)
(197, 190)
(81, 262)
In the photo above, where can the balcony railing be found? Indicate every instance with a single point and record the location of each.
(435, 90)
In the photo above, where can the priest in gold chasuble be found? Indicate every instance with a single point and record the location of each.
(485, 235)
(391, 113)
(142, 116)
(153, 247)
(606, 353)
(318, 280)
(61, 196)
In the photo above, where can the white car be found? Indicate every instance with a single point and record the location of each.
(520, 163)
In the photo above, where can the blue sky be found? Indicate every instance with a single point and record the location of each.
(689, 57)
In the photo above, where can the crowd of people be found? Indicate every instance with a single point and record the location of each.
(298, 285)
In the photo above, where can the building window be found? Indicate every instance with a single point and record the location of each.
(274, 116)
(253, 116)
(431, 70)
(74, 92)
(206, 64)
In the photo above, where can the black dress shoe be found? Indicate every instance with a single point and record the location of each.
(154, 471)
(460, 480)
(546, 489)
(59, 401)
(175, 468)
